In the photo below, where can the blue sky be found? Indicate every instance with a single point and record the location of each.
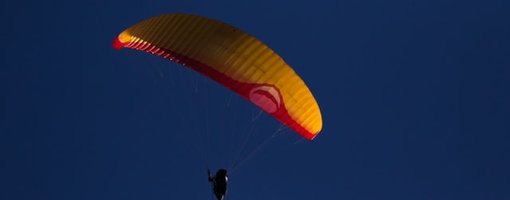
(414, 95)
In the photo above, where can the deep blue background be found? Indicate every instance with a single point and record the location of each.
(415, 98)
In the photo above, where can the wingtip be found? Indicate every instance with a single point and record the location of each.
(117, 44)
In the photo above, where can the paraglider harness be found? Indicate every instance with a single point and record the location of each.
(219, 182)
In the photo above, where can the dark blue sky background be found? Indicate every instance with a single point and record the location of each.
(415, 97)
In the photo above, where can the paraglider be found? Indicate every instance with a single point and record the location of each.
(236, 60)
(219, 183)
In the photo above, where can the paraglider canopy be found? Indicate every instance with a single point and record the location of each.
(232, 58)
